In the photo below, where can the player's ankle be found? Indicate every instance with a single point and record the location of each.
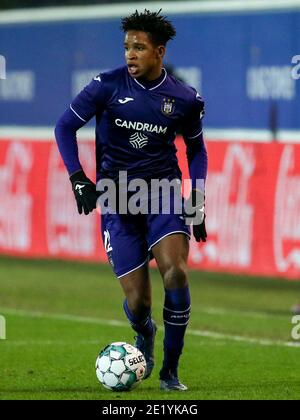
(168, 373)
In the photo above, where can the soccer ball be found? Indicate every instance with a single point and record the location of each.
(120, 366)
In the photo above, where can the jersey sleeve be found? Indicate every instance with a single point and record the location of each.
(89, 102)
(65, 134)
(192, 132)
(92, 99)
(192, 124)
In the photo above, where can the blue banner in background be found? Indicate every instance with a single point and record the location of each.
(240, 63)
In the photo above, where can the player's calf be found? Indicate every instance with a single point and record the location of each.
(176, 317)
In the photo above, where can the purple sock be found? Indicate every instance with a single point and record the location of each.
(176, 317)
(141, 323)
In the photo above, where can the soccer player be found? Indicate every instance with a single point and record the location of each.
(138, 109)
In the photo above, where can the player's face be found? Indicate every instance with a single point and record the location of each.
(144, 60)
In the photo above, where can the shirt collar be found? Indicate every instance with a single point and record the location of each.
(153, 84)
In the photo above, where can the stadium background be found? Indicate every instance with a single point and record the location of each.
(243, 57)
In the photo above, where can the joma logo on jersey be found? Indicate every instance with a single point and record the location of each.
(139, 126)
(168, 106)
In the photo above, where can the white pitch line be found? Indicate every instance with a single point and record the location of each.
(64, 317)
(115, 323)
(22, 343)
(246, 314)
(242, 339)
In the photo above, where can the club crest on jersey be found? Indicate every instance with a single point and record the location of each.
(168, 106)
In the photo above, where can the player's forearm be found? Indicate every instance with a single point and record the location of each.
(65, 134)
(198, 162)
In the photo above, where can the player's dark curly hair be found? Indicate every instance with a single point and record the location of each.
(159, 29)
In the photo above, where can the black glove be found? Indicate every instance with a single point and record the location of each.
(85, 192)
(199, 231)
(195, 214)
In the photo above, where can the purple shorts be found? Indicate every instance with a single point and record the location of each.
(128, 239)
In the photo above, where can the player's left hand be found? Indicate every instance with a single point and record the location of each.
(196, 214)
(85, 192)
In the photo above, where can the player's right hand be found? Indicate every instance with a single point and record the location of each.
(85, 192)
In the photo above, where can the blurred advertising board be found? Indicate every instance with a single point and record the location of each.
(252, 206)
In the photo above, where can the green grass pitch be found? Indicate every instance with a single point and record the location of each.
(59, 315)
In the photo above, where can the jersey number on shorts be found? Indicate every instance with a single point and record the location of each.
(107, 244)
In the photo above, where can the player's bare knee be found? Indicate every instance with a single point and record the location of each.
(175, 277)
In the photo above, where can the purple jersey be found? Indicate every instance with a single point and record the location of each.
(137, 122)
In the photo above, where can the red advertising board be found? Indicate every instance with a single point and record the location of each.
(252, 206)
